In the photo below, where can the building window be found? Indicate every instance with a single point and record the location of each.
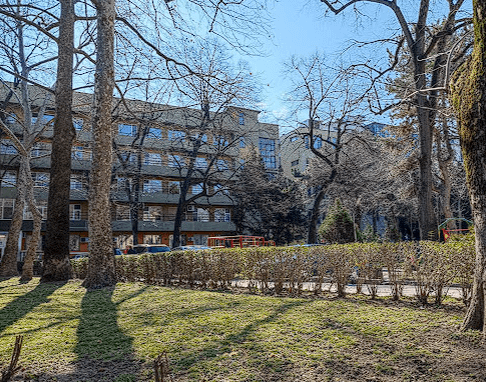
(122, 213)
(152, 159)
(197, 188)
(175, 161)
(10, 118)
(174, 187)
(267, 151)
(294, 138)
(76, 183)
(317, 142)
(152, 185)
(222, 215)
(40, 149)
(128, 157)
(127, 130)
(221, 190)
(77, 153)
(41, 179)
(152, 239)
(200, 136)
(241, 118)
(306, 141)
(75, 212)
(78, 123)
(294, 163)
(201, 163)
(219, 140)
(7, 147)
(42, 207)
(121, 183)
(6, 208)
(222, 165)
(152, 213)
(242, 143)
(45, 119)
(154, 133)
(176, 135)
(9, 179)
(202, 215)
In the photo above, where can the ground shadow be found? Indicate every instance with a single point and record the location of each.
(226, 344)
(104, 352)
(27, 302)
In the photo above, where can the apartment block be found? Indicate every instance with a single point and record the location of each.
(156, 150)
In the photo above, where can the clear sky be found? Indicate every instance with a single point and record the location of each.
(300, 28)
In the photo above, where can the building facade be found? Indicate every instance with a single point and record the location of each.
(160, 153)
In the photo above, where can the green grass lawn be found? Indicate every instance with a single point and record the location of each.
(114, 335)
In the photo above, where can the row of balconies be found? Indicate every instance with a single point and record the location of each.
(204, 225)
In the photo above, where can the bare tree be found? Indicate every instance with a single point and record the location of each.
(428, 50)
(24, 132)
(217, 86)
(333, 114)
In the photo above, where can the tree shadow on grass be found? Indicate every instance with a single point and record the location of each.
(22, 305)
(104, 352)
(226, 345)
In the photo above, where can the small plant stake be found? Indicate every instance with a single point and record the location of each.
(162, 369)
(12, 368)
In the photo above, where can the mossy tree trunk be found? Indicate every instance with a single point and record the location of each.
(468, 91)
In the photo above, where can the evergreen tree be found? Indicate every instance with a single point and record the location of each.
(338, 226)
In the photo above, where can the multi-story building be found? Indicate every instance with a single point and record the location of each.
(155, 148)
(295, 152)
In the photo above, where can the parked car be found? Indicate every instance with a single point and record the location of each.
(116, 252)
(148, 248)
(191, 248)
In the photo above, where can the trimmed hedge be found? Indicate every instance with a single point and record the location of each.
(430, 266)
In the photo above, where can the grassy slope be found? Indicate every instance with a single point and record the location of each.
(230, 337)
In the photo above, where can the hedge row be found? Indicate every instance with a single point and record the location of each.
(430, 266)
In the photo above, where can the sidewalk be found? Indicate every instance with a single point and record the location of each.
(383, 289)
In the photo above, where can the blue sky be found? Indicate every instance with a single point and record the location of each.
(300, 28)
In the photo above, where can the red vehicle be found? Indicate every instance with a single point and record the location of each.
(240, 241)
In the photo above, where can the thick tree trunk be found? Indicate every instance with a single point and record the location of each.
(101, 267)
(56, 264)
(469, 100)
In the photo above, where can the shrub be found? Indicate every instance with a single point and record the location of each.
(431, 266)
(337, 227)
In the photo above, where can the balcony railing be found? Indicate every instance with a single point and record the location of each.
(187, 217)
